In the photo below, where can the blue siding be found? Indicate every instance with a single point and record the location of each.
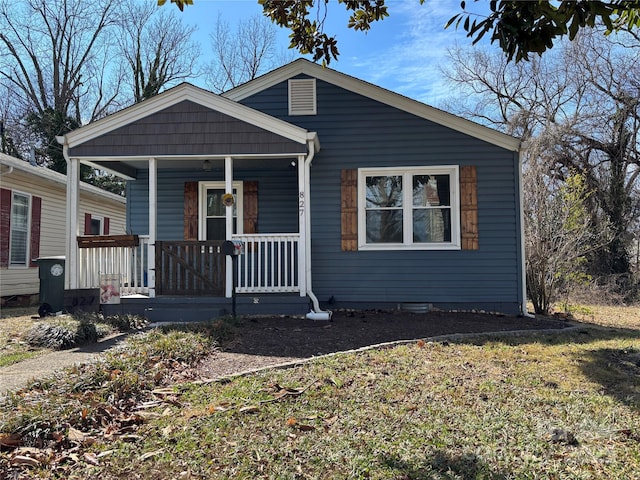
(277, 200)
(356, 131)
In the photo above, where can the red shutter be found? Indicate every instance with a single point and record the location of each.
(250, 205)
(190, 210)
(36, 214)
(87, 224)
(5, 223)
(469, 207)
(105, 226)
(349, 210)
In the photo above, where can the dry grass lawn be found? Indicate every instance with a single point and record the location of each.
(560, 405)
(14, 323)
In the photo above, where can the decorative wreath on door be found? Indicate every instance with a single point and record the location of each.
(228, 200)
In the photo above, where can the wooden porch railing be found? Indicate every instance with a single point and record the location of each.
(269, 263)
(123, 255)
(190, 267)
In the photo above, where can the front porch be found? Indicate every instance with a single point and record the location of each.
(200, 170)
(191, 277)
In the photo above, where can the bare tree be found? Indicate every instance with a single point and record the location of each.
(11, 135)
(584, 99)
(559, 231)
(54, 57)
(53, 53)
(157, 47)
(243, 54)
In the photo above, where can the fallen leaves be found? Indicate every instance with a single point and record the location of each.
(82, 438)
(249, 409)
(281, 392)
(325, 423)
(148, 455)
(25, 461)
(278, 393)
(10, 440)
(65, 447)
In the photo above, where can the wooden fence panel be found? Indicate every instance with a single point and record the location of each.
(190, 268)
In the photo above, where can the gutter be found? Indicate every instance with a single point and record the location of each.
(316, 312)
(523, 262)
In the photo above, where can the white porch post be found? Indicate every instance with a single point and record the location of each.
(73, 211)
(302, 226)
(228, 188)
(153, 222)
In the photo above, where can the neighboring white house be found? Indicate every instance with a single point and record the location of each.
(32, 222)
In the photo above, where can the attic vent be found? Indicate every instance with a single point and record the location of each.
(302, 96)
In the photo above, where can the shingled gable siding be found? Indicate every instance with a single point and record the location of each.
(357, 132)
(187, 128)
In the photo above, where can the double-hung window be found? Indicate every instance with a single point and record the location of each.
(19, 230)
(408, 208)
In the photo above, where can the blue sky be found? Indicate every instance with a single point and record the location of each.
(402, 53)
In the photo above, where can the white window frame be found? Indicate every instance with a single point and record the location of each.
(101, 220)
(202, 202)
(407, 173)
(27, 260)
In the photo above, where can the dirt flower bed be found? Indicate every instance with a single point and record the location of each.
(264, 341)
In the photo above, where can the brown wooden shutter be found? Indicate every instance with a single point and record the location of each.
(469, 207)
(105, 226)
(190, 210)
(5, 223)
(87, 224)
(349, 210)
(250, 205)
(36, 214)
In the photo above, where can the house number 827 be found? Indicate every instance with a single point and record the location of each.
(301, 203)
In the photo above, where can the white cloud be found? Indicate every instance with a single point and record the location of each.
(416, 48)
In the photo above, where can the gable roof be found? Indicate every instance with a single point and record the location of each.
(180, 93)
(382, 95)
(52, 176)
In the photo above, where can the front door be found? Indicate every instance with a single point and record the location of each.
(212, 212)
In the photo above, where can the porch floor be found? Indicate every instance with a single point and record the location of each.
(192, 309)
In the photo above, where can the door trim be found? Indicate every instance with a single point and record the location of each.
(202, 200)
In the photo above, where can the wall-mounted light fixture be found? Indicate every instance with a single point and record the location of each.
(207, 166)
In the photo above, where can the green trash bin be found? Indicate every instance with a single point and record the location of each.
(51, 273)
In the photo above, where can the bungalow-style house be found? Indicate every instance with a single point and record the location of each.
(341, 193)
(32, 223)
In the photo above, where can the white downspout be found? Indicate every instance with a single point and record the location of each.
(523, 266)
(316, 312)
